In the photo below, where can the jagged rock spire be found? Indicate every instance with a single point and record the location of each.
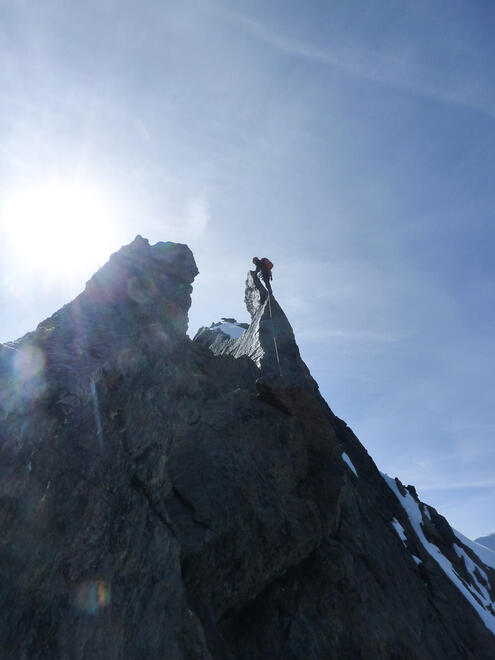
(138, 299)
(269, 341)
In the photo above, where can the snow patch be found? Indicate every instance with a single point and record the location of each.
(413, 511)
(417, 560)
(230, 329)
(234, 331)
(486, 555)
(400, 530)
(347, 460)
(471, 566)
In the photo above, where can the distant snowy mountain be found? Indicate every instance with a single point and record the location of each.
(229, 327)
(487, 541)
(484, 553)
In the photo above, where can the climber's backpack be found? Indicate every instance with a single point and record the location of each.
(267, 264)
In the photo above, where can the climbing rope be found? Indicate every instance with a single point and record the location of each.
(274, 338)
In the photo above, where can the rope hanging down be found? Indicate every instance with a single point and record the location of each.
(274, 338)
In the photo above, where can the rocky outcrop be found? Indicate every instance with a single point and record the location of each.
(168, 498)
(269, 340)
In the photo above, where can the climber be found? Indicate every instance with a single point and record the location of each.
(264, 266)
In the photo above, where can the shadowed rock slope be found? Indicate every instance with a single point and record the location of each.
(168, 498)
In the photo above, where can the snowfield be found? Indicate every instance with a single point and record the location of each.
(486, 555)
(230, 329)
(348, 461)
(473, 596)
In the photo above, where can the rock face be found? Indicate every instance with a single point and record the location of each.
(168, 498)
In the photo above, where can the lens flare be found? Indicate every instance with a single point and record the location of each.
(27, 379)
(141, 290)
(28, 363)
(92, 596)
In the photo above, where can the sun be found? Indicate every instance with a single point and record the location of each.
(58, 228)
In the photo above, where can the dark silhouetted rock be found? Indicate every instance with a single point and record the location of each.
(168, 498)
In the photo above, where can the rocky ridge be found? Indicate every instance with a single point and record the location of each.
(168, 498)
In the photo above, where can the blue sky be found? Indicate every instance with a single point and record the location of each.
(352, 143)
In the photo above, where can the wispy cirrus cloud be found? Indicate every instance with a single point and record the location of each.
(346, 335)
(457, 485)
(398, 71)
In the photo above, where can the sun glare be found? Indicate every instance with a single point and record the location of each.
(58, 228)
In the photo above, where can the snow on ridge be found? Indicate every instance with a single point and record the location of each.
(402, 535)
(400, 530)
(472, 568)
(233, 330)
(348, 461)
(486, 555)
(413, 511)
